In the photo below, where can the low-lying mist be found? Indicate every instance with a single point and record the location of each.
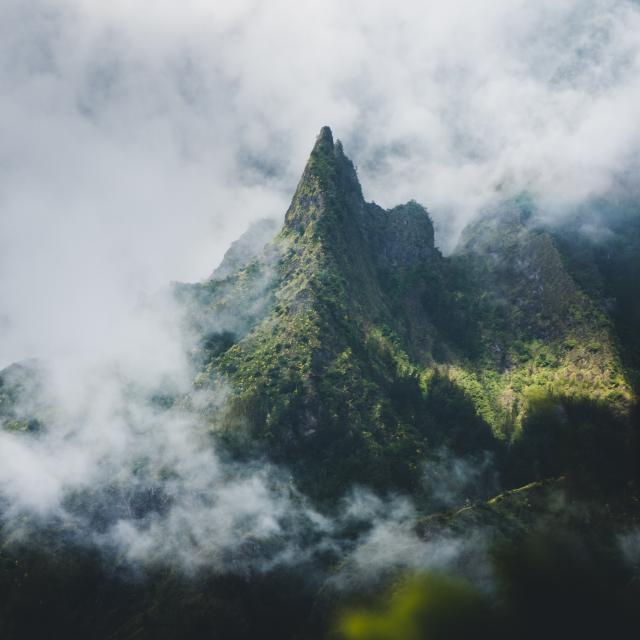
(120, 454)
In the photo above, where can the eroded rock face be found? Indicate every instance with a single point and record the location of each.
(329, 190)
(399, 237)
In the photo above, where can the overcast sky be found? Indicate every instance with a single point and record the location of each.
(139, 137)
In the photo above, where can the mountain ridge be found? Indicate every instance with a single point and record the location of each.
(378, 348)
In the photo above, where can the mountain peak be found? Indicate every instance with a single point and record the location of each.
(325, 138)
(328, 180)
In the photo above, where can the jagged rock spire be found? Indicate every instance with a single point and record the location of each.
(328, 181)
(324, 141)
